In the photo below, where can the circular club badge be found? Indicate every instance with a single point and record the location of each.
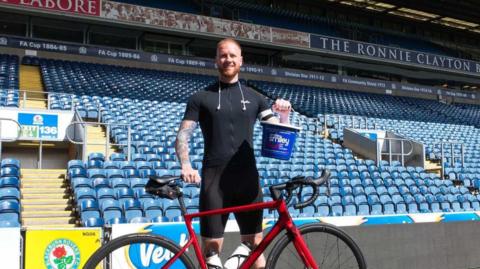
(62, 254)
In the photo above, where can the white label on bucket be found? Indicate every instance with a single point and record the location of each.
(276, 138)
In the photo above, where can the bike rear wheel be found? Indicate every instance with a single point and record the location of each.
(137, 251)
(330, 247)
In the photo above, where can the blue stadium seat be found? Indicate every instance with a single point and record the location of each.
(89, 209)
(132, 209)
(93, 222)
(10, 163)
(111, 209)
(10, 182)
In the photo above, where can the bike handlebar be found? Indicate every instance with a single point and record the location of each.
(300, 182)
(167, 187)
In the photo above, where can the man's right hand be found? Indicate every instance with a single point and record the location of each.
(189, 174)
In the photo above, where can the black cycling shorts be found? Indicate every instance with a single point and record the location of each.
(226, 186)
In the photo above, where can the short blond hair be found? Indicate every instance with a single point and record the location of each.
(229, 40)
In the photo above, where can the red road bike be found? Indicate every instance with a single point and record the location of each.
(314, 245)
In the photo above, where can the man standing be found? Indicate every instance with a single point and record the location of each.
(227, 112)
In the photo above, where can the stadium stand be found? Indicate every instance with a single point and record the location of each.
(108, 190)
(93, 80)
(313, 101)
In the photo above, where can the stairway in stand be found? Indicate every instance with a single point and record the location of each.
(97, 136)
(45, 199)
(432, 167)
(30, 79)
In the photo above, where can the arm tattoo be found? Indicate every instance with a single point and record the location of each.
(181, 144)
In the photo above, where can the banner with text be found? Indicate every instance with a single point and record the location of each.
(203, 24)
(38, 126)
(394, 54)
(143, 256)
(197, 62)
(79, 7)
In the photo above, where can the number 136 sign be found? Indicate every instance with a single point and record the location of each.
(44, 126)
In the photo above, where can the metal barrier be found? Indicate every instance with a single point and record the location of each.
(107, 143)
(342, 118)
(11, 139)
(25, 96)
(390, 154)
(452, 154)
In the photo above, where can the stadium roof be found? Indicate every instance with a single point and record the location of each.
(459, 14)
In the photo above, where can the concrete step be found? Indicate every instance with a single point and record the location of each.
(42, 177)
(96, 142)
(34, 101)
(59, 207)
(50, 226)
(431, 164)
(46, 201)
(43, 180)
(50, 195)
(97, 137)
(48, 221)
(94, 129)
(33, 105)
(99, 149)
(47, 214)
(43, 184)
(432, 167)
(43, 171)
(44, 190)
(59, 181)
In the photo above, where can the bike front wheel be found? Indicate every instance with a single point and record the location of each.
(137, 251)
(330, 247)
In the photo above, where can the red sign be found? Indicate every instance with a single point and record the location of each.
(81, 7)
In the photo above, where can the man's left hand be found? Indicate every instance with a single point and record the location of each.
(282, 105)
(283, 108)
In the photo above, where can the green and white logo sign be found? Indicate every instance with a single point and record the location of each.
(62, 254)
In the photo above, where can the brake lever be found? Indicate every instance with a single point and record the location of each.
(328, 187)
(299, 193)
(289, 196)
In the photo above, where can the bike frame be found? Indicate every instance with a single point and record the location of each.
(284, 222)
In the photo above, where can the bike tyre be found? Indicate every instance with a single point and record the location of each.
(316, 231)
(103, 252)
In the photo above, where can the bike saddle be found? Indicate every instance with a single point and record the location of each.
(162, 187)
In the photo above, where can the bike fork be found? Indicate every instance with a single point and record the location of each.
(302, 249)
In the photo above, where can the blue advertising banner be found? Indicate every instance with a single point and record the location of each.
(149, 256)
(38, 126)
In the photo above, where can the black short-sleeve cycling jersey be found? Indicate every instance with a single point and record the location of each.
(227, 120)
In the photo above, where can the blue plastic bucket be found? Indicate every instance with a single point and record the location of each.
(278, 140)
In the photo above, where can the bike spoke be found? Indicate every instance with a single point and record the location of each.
(328, 250)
